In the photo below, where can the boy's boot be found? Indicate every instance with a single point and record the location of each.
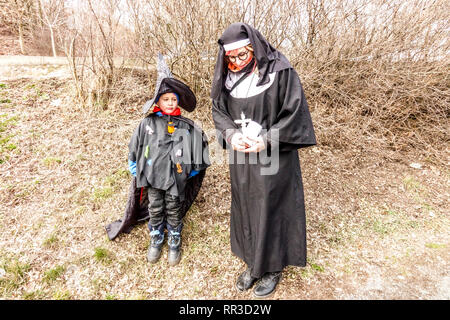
(157, 239)
(174, 243)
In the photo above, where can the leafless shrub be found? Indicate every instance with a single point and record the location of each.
(374, 71)
(93, 51)
(53, 17)
(17, 17)
(377, 69)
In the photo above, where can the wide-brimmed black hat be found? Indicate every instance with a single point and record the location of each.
(166, 83)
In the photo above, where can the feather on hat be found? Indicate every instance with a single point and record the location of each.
(165, 82)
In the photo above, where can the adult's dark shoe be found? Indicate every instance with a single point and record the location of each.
(245, 281)
(267, 284)
(157, 239)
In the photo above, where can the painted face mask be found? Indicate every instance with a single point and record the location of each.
(238, 60)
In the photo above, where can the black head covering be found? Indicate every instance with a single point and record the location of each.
(165, 83)
(268, 59)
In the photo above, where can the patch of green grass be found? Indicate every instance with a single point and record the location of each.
(114, 179)
(5, 100)
(51, 241)
(11, 147)
(316, 267)
(413, 186)
(8, 122)
(435, 245)
(43, 95)
(103, 193)
(80, 198)
(214, 269)
(4, 144)
(99, 284)
(61, 295)
(3, 85)
(102, 255)
(305, 273)
(33, 295)
(49, 161)
(5, 140)
(137, 296)
(53, 274)
(391, 212)
(14, 274)
(110, 296)
(80, 210)
(335, 239)
(380, 227)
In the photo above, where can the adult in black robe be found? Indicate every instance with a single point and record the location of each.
(267, 225)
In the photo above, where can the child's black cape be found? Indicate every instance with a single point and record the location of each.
(136, 210)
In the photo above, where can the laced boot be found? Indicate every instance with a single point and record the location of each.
(174, 242)
(245, 280)
(267, 284)
(157, 239)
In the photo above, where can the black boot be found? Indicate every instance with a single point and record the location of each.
(157, 239)
(174, 242)
(245, 281)
(266, 286)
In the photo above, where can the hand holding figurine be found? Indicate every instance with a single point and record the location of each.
(237, 142)
(257, 145)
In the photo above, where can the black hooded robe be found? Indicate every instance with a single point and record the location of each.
(152, 148)
(136, 209)
(268, 229)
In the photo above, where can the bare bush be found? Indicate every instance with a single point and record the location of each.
(372, 68)
(53, 17)
(17, 16)
(91, 46)
(378, 69)
(374, 71)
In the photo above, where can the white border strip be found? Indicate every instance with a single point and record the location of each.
(236, 44)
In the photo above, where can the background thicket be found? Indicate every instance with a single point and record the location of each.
(375, 74)
(374, 68)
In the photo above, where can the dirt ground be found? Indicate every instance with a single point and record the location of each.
(377, 228)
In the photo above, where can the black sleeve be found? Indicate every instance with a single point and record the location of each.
(225, 125)
(200, 150)
(133, 146)
(294, 128)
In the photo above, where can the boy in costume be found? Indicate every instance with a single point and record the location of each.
(165, 151)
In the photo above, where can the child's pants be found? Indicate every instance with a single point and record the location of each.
(163, 205)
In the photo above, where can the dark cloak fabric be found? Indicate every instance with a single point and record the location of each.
(267, 225)
(187, 98)
(268, 59)
(136, 210)
(156, 152)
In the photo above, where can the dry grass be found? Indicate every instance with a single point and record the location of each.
(376, 228)
(375, 76)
